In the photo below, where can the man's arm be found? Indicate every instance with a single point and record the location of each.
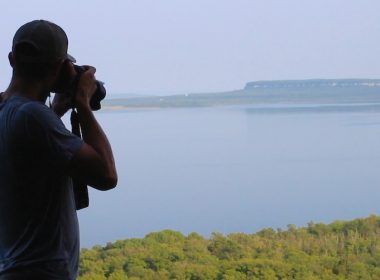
(94, 162)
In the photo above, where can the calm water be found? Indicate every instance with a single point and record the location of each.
(234, 170)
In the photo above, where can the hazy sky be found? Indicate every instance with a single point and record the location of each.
(170, 46)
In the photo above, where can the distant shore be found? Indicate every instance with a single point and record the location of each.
(332, 91)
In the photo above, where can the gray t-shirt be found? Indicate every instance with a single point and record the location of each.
(38, 222)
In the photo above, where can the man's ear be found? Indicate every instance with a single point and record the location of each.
(11, 59)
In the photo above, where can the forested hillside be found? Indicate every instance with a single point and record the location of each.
(340, 250)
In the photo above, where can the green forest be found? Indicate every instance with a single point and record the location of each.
(340, 250)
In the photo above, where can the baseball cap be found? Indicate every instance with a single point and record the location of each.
(40, 41)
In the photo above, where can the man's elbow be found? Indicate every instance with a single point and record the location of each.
(106, 182)
(111, 182)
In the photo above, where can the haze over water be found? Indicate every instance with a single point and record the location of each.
(232, 170)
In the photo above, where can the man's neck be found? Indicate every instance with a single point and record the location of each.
(33, 90)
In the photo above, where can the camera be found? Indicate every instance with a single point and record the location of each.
(99, 94)
(68, 85)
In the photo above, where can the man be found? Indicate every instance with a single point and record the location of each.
(39, 236)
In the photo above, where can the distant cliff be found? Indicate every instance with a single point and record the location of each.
(314, 83)
(317, 91)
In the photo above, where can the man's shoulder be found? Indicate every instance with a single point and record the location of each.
(37, 111)
(31, 107)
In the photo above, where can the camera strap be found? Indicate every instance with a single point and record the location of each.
(80, 188)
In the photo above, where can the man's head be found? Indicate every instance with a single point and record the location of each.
(39, 48)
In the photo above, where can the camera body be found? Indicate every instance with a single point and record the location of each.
(99, 94)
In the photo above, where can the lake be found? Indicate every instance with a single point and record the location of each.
(235, 169)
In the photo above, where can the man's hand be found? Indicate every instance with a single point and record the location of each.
(61, 103)
(86, 88)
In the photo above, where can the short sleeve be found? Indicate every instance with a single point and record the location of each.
(48, 133)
